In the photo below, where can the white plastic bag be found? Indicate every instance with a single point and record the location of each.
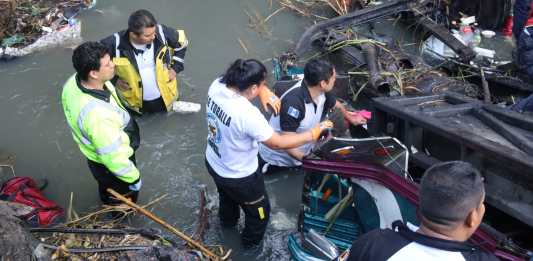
(186, 107)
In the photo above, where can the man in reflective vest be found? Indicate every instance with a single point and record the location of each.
(147, 57)
(100, 124)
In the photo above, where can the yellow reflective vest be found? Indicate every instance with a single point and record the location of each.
(98, 127)
(165, 58)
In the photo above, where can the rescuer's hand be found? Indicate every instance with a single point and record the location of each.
(355, 118)
(319, 128)
(122, 85)
(137, 186)
(268, 98)
(171, 75)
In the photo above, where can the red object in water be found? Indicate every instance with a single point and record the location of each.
(23, 190)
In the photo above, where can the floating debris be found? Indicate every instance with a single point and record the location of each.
(7, 161)
(244, 48)
(101, 235)
(27, 26)
(258, 23)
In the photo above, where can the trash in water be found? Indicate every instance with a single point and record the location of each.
(186, 107)
(10, 41)
(30, 26)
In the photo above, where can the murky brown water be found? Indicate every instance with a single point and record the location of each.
(171, 156)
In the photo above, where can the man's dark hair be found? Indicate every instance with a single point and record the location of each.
(244, 73)
(86, 58)
(449, 191)
(317, 70)
(139, 20)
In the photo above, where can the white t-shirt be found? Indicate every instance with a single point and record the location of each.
(146, 64)
(235, 126)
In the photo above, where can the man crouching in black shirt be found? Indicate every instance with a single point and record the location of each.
(451, 209)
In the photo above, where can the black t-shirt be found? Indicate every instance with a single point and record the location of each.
(296, 102)
(404, 244)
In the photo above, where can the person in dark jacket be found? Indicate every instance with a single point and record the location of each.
(521, 15)
(451, 209)
(523, 33)
(147, 57)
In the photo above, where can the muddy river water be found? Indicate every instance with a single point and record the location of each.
(171, 155)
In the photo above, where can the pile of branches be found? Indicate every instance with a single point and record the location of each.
(24, 21)
(102, 235)
(92, 233)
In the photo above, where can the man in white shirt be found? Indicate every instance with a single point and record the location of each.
(451, 199)
(147, 57)
(303, 106)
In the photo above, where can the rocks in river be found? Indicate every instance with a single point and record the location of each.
(16, 242)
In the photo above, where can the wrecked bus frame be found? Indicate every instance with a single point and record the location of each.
(367, 15)
(449, 125)
(353, 186)
(419, 12)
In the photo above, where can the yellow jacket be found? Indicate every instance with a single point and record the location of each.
(170, 47)
(102, 127)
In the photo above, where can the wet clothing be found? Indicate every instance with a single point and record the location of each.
(267, 168)
(298, 113)
(235, 126)
(154, 106)
(405, 244)
(106, 179)
(104, 131)
(165, 52)
(248, 193)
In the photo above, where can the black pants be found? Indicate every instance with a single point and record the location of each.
(106, 179)
(249, 194)
(157, 105)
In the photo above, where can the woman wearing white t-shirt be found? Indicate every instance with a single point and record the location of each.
(235, 126)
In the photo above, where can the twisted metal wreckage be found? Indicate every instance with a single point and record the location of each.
(452, 109)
